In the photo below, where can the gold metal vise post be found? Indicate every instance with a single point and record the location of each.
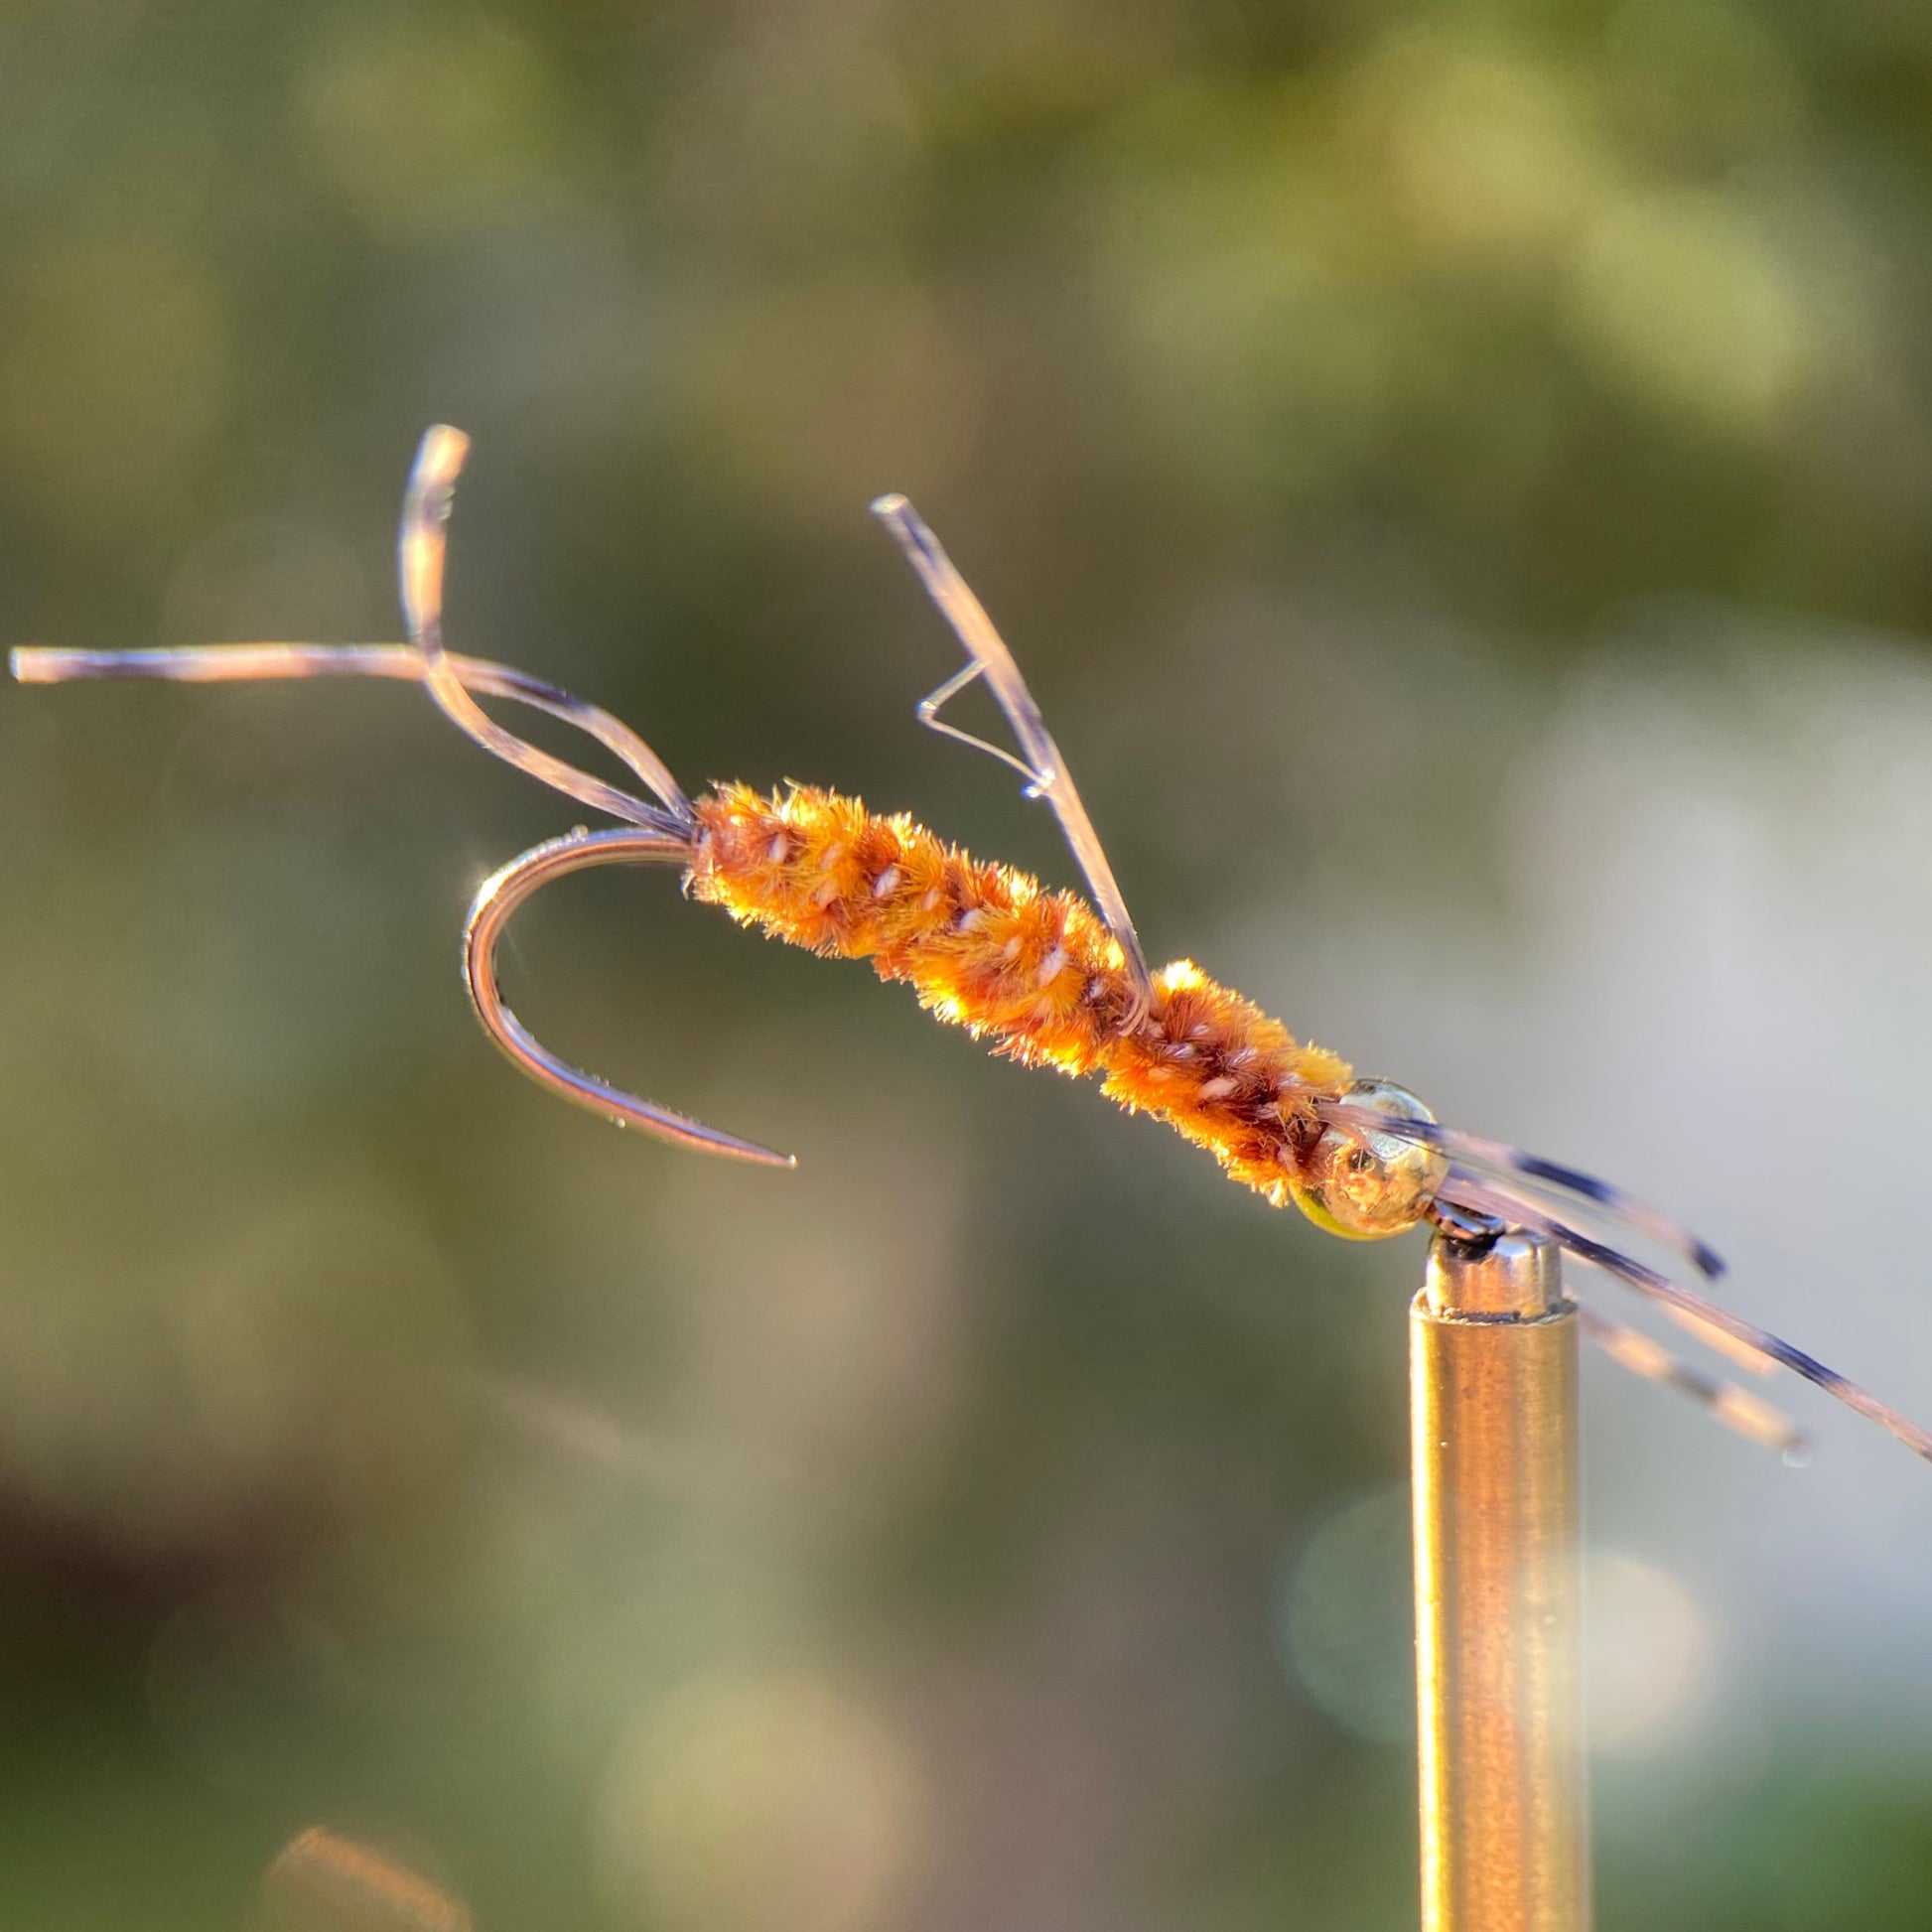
(1493, 1421)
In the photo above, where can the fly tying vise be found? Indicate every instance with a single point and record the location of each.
(1053, 980)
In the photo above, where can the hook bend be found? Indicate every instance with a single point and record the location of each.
(501, 893)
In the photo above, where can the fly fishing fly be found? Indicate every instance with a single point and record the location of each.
(1049, 978)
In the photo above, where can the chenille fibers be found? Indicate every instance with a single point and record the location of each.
(991, 950)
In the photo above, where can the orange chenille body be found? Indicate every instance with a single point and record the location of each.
(992, 949)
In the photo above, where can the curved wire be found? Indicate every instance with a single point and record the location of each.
(421, 545)
(262, 663)
(420, 551)
(659, 834)
(501, 893)
(1736, 1409)
(1043, 767)
(1471, 1192)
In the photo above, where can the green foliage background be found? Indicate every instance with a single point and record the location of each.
(1317, 393)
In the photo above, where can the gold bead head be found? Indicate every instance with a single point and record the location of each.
(1366, 1187)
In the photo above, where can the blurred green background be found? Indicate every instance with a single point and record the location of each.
(1460, 477)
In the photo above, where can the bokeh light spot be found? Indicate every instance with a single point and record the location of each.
(1685, 299)
(1647, 1653)
(114, 376)
(748, 1802)
(1486, 149)
(422, 128)
(1347, 1625)
(817, 397)
(321, 1881)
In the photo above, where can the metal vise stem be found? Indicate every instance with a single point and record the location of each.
(1493, 1421)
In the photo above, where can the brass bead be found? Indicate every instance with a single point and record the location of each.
(1367, 1186)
